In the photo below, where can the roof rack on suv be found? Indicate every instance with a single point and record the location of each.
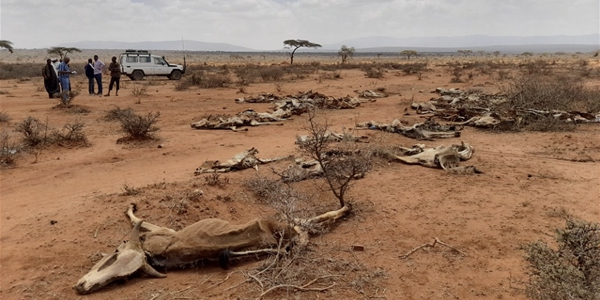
(136, 51)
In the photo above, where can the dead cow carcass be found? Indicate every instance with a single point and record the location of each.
(151, 246)
(427, 130)
(445, 157)
(240, 161)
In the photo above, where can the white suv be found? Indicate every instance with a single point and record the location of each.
(139, 63)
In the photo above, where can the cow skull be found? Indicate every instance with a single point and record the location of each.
(126, 260)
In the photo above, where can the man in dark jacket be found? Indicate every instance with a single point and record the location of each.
(50, 79)
(89, 73)
(115, 75)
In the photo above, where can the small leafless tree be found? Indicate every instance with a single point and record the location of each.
(341, 165)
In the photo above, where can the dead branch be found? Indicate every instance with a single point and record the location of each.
(431, 245)
(220, 282)
(257, 280)
(298, 287)
(236, 285)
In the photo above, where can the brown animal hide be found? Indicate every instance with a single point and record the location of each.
(207, 239)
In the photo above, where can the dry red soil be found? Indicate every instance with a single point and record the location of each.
(62, 207)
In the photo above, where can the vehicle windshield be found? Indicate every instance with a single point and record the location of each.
(159, 61)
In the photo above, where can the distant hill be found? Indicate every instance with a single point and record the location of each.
(466, 42)
(163, 45)
(505, 44)
(505, 49)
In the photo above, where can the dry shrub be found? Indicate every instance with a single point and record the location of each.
(215, 80)
(373, 72)
(287, 201)
(20, 70)
(247, 74)
(79, 110)
(34, 132)
(139, 90)
(117, 113)
(271, 73)
(536, 67)
(301, 269)
(4, 117)
(572, 271)
(341, 163)
(182, 85)
(130, 190)
(138, 127)
(71, 134)
(302, 71)
(263, 188)
(502, 75)
(312, 273)
(215, 179)
(533, 93)
(9, 149)
(205, 80)
(38, 134)
(547, 123)
(330, 75)
(412, 68)
(456, 72)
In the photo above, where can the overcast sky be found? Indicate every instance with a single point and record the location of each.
(264, 24)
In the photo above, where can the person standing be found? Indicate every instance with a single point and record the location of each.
(50, 79)
(89, 73)
(64, 73)
(98, 67)
(115, 75)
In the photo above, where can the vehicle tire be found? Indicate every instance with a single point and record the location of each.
(137, 75)
(175, 75)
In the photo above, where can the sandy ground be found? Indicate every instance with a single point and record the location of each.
(62, 207)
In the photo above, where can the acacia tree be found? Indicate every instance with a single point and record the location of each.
(62, 51)
(346, 52)
(465, 52)
(6, 45)
(298, 44)
(409, 53)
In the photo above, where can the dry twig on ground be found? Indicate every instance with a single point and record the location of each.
(431, 245)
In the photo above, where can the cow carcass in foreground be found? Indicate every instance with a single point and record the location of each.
(151, 246)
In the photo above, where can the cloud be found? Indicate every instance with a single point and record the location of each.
(264, 24)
